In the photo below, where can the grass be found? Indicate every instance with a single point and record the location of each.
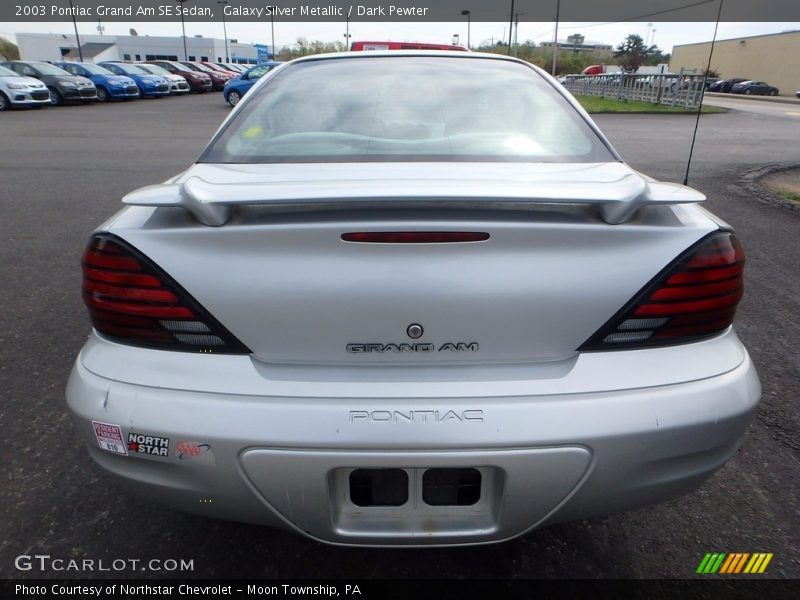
(788, 195)
(596, 104)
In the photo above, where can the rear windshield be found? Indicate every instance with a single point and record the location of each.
(406, 108)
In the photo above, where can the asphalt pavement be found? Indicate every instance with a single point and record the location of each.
(64, 170)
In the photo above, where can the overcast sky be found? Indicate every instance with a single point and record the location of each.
(666, 35)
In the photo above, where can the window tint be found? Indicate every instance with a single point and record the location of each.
(407, 108)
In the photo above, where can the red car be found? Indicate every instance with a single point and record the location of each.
(220, 69)
(199, 82)
(218, 79)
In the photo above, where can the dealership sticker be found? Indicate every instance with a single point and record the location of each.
(109, 437)
(139, 443)
(196, 452)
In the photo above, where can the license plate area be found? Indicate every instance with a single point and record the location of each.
(416, 500)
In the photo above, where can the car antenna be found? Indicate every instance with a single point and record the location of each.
(702, 94)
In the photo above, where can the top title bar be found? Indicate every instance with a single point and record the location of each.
(400, 10)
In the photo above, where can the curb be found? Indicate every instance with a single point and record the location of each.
(745, 98)
(751, 180)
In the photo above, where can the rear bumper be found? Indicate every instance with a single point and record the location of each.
(283, 460)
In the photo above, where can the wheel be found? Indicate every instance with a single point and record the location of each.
(102, 94)
(748, 92)
(234, 97)
(5, 104)
(56, 99)
(773, 92)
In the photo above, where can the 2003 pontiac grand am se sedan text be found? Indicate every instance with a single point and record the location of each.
(391, 306)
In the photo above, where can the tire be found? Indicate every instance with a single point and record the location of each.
(5, 103)
(748, 92)
(773, 92)
(56, 99)
(102, 94)
(234, 98)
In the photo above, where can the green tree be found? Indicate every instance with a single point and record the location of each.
(633, 53)
(8, 50)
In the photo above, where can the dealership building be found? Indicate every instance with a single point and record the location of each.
(97, 48)
(774, 58)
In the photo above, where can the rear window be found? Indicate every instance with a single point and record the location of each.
(406, 108)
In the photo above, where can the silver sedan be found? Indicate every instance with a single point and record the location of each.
(411, 298)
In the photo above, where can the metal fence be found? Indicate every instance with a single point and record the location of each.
(679, 89)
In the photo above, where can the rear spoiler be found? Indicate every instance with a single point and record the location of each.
(211, 203)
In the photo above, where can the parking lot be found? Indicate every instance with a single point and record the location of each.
(64, 171)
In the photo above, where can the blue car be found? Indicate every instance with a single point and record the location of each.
(108, 85)
(148, 84)
(237, 87)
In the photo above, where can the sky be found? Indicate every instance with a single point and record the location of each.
(664, 34)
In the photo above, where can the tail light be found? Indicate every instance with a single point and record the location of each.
(415, 237)
(131, 300)
(693, 298)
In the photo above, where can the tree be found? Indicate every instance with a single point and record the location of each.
(632, 53)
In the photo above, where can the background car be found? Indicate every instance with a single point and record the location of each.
(758, 88)
(63, 86)
(198, 81)
(236, 88)
(107, 83)
(221, 69)
(16, 90)
(177, 83)
(149, 85)
(218, 79)
(236, 67)
(724, 86)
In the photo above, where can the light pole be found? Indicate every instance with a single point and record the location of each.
(555, 38)
(183, 30)
(224, 28)
(510, 26)
(466, 13)
(272, 27)
(75, 25)
(347, 33)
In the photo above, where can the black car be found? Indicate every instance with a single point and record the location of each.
(63, 86)
(755, 87)
(725, 85)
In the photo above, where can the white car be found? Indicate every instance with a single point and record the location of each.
(411, 310)
(16, 90)
(177, 84)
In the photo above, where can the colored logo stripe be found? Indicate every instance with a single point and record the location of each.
(758, 563)
(734, 563)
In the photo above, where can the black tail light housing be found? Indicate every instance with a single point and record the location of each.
(133, 301)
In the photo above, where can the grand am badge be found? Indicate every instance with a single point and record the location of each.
(139, 443)
(109, 437)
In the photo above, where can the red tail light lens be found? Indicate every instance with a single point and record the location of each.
(694, 298)
(132, 301)
(415, 237)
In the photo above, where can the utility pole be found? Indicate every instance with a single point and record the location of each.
(224, 28)
(555, 38)
(516, 32)
(510, 26)
(347, 33)
(75, 25)
(466, 13)
(183, 30)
